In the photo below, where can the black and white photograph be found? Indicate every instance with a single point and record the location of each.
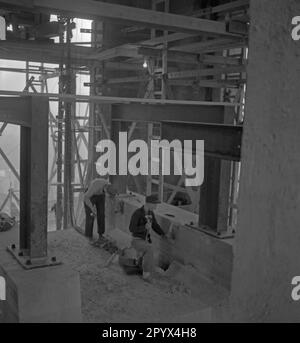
(149, 164)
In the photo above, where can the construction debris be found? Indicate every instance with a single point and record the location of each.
(6, 222)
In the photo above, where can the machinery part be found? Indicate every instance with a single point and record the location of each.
(129, 262)
(6, 222)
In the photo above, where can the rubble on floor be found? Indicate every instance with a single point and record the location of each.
(109, 295)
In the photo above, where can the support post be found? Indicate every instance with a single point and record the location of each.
(34, 181)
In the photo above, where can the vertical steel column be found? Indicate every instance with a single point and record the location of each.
(68, 154)
(34, 181)
(59, 161)
(25, 181)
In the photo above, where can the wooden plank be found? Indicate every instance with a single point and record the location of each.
(173, 37)
(211, 46)
(129, 79)
(99, 10)
(228, 7)
(45, 52)
(205, 72)
(125, 50)
(19, 3)
(232, 6)
(180, 56)
(206, 83)
(126, 81)
(124, 66)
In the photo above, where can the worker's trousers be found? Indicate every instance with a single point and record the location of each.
(99, 202)
(145, 250)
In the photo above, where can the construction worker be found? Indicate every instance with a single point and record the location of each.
(141, 223)
(94, 204)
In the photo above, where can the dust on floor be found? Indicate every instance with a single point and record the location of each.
(109, 295)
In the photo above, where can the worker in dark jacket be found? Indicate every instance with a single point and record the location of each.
(142, 221)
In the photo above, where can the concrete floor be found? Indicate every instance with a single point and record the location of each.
(109, 295)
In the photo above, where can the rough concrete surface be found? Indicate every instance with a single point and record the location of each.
(267, 246)
(109, 295)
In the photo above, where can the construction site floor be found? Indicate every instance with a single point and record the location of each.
(109, 295)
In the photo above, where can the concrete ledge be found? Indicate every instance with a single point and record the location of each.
(43, 295)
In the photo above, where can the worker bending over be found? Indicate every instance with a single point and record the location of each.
(142, 221)
(94, 204)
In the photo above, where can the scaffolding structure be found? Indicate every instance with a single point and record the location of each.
(208, 65)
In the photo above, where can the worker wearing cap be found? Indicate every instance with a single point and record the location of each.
(94, 204)
(142, 221)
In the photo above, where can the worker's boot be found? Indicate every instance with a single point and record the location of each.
(147, 277)
(99, 242)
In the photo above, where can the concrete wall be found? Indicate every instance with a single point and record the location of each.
(267, 253)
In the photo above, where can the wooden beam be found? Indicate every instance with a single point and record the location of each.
(173, 37)
(125, 50)
(129, 79)
(88, 9)
(205, 72)
(183, 53)
(183, 83)
(135, 52)
(19, 3)
(211, 45)
(206, 83)
(22, 50)
(124, 66)
(190, 58)
(229, 7)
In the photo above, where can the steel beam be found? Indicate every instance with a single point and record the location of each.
(34, 161)
(169, 113)
(221, 141)
(32, 115)
(15, 112)
(209, 194)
